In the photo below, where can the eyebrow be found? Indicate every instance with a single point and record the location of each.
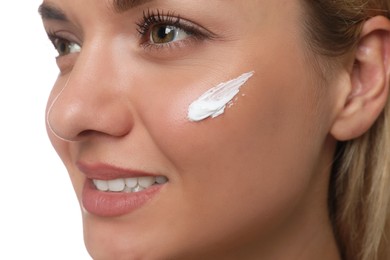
(124, 5)
(49, 12)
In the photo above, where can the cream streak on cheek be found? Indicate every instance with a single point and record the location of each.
(213, 102)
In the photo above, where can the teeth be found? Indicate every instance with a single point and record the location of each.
(101, 185)
(161, 179)
(127, 189)
(116, 185)
(137, 189)
(146, 181)
(129, 184)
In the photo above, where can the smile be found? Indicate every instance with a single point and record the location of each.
(129, 185)
(111, 191)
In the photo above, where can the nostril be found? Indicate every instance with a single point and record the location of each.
(86, 133)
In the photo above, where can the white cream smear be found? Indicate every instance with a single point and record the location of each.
(213, 102)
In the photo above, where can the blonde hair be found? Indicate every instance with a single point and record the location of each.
(359, 197)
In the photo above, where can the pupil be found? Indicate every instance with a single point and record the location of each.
(63, 47)
(163, 34)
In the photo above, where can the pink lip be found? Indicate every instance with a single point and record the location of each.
(112, 204)
(101, 171)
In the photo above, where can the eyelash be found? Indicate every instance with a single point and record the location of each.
(55, 39)
(157, 17)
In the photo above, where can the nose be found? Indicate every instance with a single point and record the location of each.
(91, 101)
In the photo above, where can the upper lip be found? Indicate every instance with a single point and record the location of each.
(102, 171)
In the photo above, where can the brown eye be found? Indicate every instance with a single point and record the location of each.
(65, 47)
(161, 34)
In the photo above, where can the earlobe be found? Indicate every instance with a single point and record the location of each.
(369, 80)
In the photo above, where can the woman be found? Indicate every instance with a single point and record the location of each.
(225, 129)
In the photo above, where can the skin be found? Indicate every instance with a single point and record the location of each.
(250, 184)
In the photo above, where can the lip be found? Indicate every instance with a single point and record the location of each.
(101, 171)
(112, 204)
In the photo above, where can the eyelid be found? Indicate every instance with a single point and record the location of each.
(63, 35)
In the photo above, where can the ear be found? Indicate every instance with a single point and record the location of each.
(369, 81)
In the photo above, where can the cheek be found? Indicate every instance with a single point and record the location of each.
(252, 164)
(277, 115)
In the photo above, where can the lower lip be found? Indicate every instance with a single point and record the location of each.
(114, 204)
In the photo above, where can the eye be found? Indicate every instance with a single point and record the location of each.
(65, 47)
(159, 29)
(162, 34)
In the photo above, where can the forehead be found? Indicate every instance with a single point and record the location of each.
(49, 10)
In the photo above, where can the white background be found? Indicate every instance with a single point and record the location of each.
(39, 213)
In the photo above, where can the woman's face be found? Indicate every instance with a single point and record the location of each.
(237, 183)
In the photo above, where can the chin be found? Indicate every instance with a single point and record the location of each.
(108, 239)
